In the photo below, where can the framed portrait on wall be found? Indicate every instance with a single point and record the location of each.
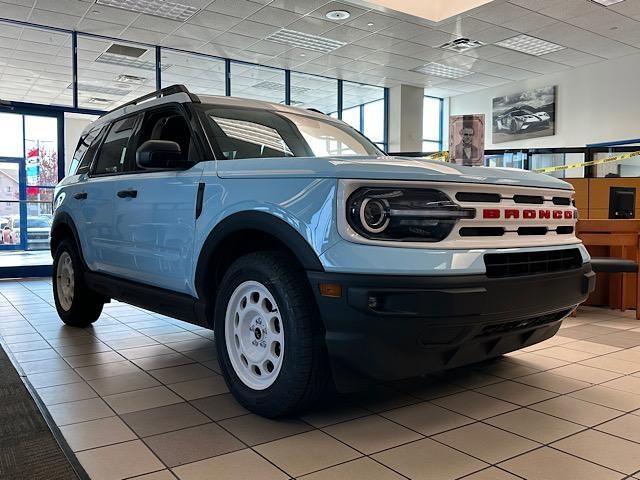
(524, 115)
(466, 139)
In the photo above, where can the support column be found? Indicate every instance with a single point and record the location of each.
(405, 118)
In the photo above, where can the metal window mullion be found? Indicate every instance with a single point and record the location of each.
(287, 87)
(74, 68)
(158, 68)
(340, 90)
(227, 77)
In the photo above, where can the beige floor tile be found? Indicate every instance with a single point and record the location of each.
(612, 452)
(591, 347)
(429, 460)
(254, 429)
(61, 377)
(585, 373)
(612, 364)
(243, 464)
(372, 434)
(549, 464)
(97, 433)
(630, 355)
(360, 469)
(200, 388)
(491, 473)
(517, 393)
(162, 361)
(123, 383)
(506, 369)
(120, 461)
(66, 393)
(181, 373)
(83, 349)
(306, 452)
(486, 442)
(164, 419)
(94, 359)
(577, 411)
(35, 355)
(436, 390)
(533, 360)
(566, 354)
(472, 378)
(427, 418)
(220, 407)
(474, 405)
(142, 399)
(107, 370)
(609, 397)
(383, 398)
(553, 383)
(535, 425)
(627, 426)
(44, 366)
(80, 411)
(626, 384)
(161, 475)
(321, 417)
(142, 352)
(192, 444)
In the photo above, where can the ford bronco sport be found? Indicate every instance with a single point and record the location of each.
(316, 259)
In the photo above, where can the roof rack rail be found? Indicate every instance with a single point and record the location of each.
(170, 90)
(311, 109)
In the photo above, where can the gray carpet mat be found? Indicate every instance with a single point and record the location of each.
(28, 449)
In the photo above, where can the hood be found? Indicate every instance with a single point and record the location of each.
(382, 168)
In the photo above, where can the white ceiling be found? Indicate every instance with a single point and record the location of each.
(381, 46)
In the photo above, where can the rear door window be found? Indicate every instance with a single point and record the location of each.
(115, 154)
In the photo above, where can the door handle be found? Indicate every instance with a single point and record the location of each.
(80, 195)
(128, 193)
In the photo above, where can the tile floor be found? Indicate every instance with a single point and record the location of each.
(139, 395)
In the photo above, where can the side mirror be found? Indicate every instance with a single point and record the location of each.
(161, 155)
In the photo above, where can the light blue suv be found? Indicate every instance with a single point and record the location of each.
(316, 259)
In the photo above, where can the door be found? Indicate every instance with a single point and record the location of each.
(12, 205)
(154, 213)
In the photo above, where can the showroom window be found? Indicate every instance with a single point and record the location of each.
(198, 73)
(258, 83)
(432, 126)
(312, 91)
(363, 107)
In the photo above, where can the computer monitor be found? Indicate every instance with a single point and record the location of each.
(622, 202)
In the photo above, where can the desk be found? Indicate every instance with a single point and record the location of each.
(613, 238)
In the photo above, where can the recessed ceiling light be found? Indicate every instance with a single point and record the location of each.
(159, 8)
(305, 40)
(460, 45)
(303, 54)
(370, 24)
(530, 45)
(606, 3)
(338, 15)
(442, 71)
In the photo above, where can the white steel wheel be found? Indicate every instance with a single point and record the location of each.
(254, 335)
(65, 281)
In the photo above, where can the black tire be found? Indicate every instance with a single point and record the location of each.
(304, 375)
(86, 305)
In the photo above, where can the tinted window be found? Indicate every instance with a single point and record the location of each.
(85, 151)
(252, 133)
(171, 125)
(114, 154)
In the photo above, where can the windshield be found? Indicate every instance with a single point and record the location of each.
(38, 222)
(255, 133)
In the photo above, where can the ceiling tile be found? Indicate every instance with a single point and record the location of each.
(540, 65)
(233, 40)
(511, 57)
(217, 21)
(275, 16)
(630, 9)
(53, 19)
(302, 55)
(377, 21)
(267, 47)
(254, 29)
(376, 41)
(14, 12)
(494, 34)
(487, 51)
(405, 30)
(103, 13)
(311, 25)
(322, 11)
(486, 80)
(156, 24)
(183, 43)
(565, 9)
(352, 51)
(330, 60)
(346, 34)
(197, 32)
(499, 13)
(432, 38)
(236, 8)
(572, 57)
(100, 28)
(70, 7)
(144, 36)
(465, 27)
(530, 21)
(298, 6)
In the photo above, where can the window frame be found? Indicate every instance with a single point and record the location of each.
(94, 162)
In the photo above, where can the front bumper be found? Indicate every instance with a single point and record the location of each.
(386, 328)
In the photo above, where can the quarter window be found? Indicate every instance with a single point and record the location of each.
(114, 154)
(85, 152)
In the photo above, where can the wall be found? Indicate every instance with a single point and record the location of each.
(595, 103)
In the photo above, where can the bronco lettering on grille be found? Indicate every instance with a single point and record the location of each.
(527, 214)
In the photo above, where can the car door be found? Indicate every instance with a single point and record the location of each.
(98, 194)
(154, 224)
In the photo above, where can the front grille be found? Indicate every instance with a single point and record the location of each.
(478, 197)
(531, 199)
(481, 232)
(530, 263)
(503, 328)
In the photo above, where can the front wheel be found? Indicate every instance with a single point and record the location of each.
(77, 305)
(269, 336)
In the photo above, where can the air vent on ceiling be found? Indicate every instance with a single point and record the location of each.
(460, 45)
(279, 87)
(133, 79)
(126, 50)
(442, 71)
(305, 40)
(159, 8)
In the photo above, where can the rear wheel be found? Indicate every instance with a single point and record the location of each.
(269, 336)
(76, 303)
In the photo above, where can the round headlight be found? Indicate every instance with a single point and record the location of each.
(374, 214)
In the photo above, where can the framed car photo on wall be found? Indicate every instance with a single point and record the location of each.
(523, 115)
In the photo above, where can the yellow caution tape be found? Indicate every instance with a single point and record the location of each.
(616, 158)
(444, 156)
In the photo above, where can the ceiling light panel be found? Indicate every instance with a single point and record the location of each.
(305, 40)
(530, 45)
(442, 71)
(159, 8)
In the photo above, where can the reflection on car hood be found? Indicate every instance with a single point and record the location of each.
(382, 168)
